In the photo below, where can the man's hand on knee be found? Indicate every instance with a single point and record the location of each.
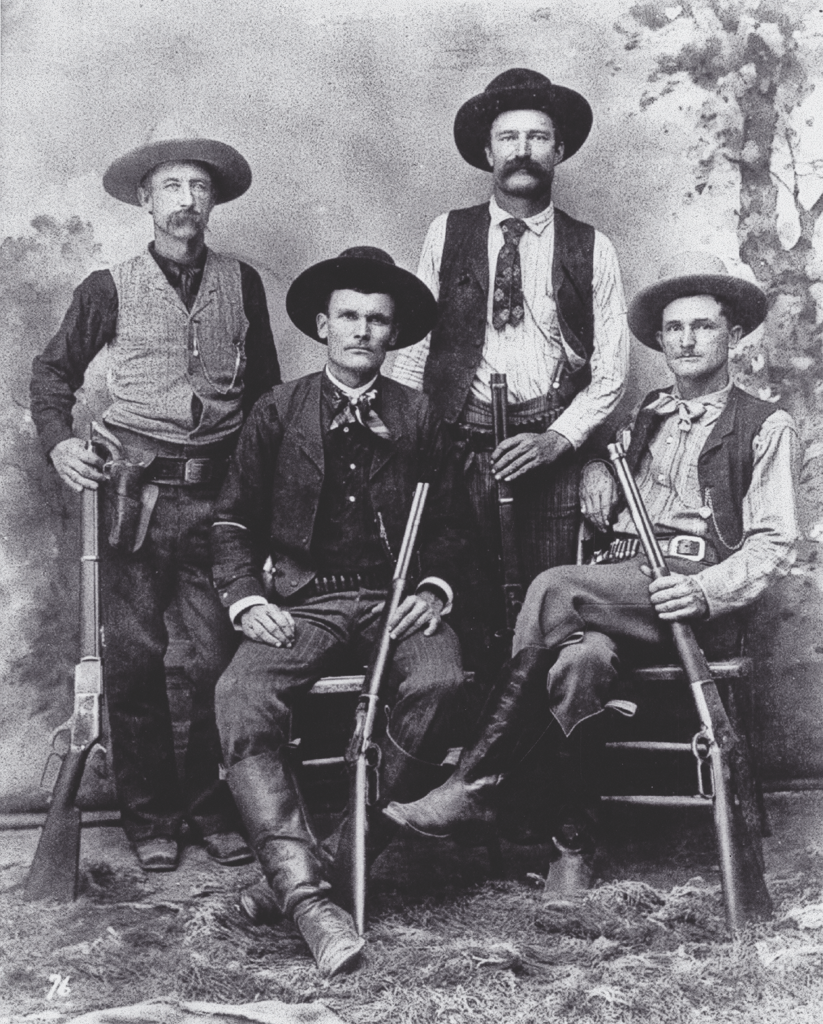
(268, 624)
(418, 611)
(677, 597)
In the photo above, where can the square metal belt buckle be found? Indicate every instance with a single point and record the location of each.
(691, 548)
(197, 471)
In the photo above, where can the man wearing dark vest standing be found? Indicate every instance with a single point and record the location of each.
(717, 470)
(526, 290)
(190, 349)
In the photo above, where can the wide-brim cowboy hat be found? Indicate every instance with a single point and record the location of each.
(231, 172)
(695, 273)
(521, 89)
(365, 269)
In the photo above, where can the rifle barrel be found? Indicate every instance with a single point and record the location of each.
(745, 894)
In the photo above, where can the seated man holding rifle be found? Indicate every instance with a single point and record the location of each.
(309, 526)
(716, 470)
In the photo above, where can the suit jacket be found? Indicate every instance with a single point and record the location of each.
(270, 497)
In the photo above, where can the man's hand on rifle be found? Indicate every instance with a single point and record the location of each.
(523, 452)
(77, 465)
(268, 624)
(598, 494)
(416, 612)
(676, 597)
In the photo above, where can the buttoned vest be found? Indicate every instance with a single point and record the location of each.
(458, 338)
(174, 374)
(724, 466)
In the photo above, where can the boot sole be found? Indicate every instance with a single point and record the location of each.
(403, 823)
(347, 962)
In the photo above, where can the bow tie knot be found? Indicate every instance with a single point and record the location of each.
(359, 410)
(687, 410)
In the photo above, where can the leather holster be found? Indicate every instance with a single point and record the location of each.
(128, 504)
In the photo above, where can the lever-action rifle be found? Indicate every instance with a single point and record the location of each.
(54, 870)
(744, 888)
(363, 755)
(510, 561)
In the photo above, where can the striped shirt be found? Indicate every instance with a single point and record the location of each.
(530, 353)
(668, 482)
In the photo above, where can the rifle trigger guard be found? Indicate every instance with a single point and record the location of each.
(701, 748)
(63, 727)
(52, 754)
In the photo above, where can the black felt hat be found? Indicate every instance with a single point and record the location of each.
(367, 269)
(230, 170)
(695, 273)
(520, 89)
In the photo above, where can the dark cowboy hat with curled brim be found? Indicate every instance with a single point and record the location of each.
(363, 269)
(231, 172)
(695, 273)
(521, 89)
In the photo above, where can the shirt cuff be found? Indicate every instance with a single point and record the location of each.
(435, 583)
(572, 436)
(241, 606)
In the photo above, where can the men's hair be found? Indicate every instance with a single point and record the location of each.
(146, 180)
(324, 305)
(558, 135)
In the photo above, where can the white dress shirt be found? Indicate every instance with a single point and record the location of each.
(530, 353)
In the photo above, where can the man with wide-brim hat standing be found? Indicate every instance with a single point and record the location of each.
(189, 350)
(717, 470)
(309, 523)
(525, 290)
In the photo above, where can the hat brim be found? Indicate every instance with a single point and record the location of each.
(568, 109)
(645, 316)
(231, 172)
(415, 306)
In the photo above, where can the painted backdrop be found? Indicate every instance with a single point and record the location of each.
(707, 134)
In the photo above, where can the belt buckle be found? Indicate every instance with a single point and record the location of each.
(693, 548)
(197, 471)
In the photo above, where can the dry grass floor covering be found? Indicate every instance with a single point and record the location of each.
(491, 952)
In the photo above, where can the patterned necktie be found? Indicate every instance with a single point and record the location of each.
(507, 307)
(359, 410)
(687, 411)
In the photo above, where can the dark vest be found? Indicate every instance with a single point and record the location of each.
(458, 338)
(724, 466)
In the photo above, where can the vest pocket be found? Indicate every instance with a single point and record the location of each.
(215, 362)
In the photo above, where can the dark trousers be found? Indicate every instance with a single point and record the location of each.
(172, 564)
(602, 616)
(546, 507)
(424, 696)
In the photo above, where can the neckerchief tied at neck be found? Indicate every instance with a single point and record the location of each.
(358, 410)
(687, 410)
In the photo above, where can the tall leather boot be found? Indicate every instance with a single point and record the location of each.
(268, 799)
(513, 719)
(577, 763)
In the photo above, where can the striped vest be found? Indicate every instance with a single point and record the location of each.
(173, 374)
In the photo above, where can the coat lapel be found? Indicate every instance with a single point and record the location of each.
(392, 416)
(307, 435)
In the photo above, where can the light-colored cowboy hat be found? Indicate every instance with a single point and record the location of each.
(363, 268)
(695, 273)
(520, 89)
(231, 172)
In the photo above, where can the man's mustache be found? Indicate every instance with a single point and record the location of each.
(525, 163)
(182, 217)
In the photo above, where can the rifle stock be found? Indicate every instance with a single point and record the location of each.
(363, 755)
(54, 871)
(510, 554)
(745, 894)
